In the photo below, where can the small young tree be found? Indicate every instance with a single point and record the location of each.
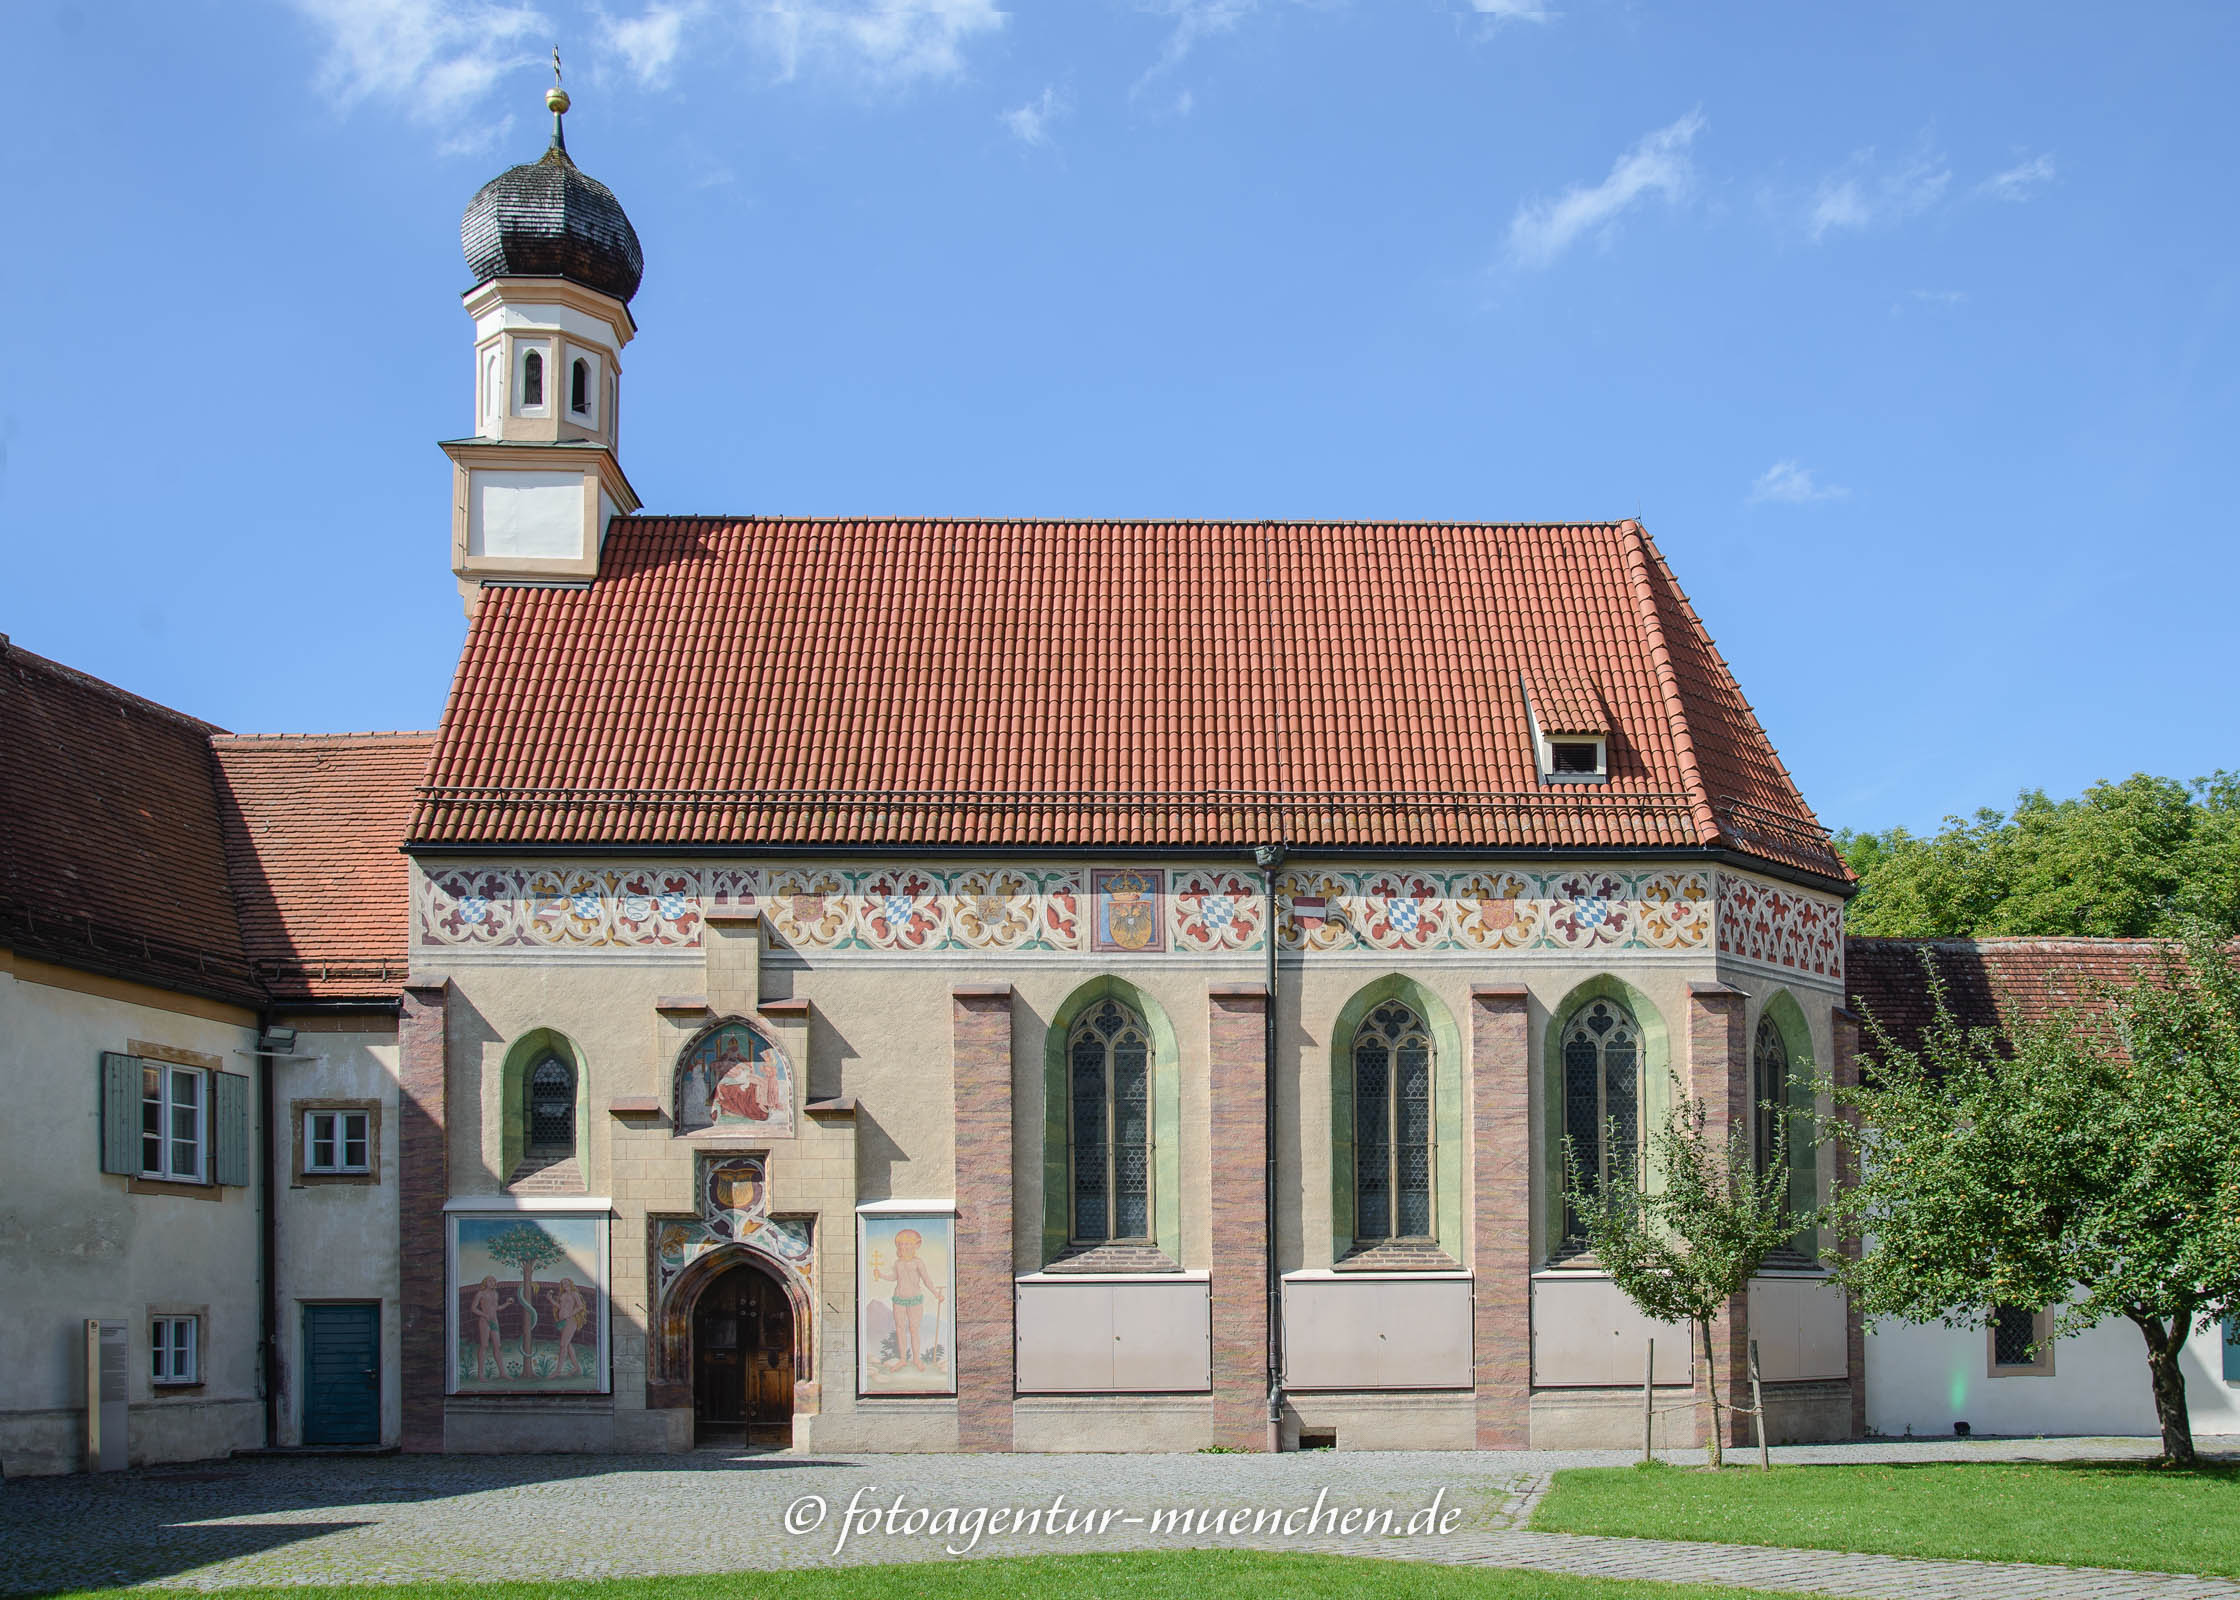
(1681, 1246)
(2089, 1165)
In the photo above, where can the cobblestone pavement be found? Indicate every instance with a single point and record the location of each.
(404, 1518)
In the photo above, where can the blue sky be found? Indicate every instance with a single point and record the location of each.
(1909, 330)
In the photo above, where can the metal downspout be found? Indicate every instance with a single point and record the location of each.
(1269, 857)
(268, 1229)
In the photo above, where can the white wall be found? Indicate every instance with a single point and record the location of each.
(338, 1241)
(78, 1243)
(1926, 1378)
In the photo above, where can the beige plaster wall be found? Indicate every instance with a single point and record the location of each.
(879, 1031)
(77, 1243)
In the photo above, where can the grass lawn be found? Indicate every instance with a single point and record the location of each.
(1149, 1575)
(2082, 1514)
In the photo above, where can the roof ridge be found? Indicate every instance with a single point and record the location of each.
(1637, 552)
(86, 680)
(371, 735)
(852, 519)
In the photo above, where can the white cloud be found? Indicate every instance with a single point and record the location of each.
(435, 58)
(1856, 196)
(650, 43)
(1030, 123)
(1194, 20)
(1790, 483)
(2019, 182)
(881, 41)
(1542, 230)
(1940, 297)
(1513, 10)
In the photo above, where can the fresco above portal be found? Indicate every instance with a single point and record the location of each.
(731, 1080)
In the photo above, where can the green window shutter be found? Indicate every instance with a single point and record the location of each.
(120, 1114)
(2232, 1349)
(231, 1129)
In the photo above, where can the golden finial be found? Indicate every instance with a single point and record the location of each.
(556, 97)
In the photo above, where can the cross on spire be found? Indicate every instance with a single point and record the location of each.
(557, 98)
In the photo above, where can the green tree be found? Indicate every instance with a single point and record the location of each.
(1691, 1229)
(2127, 859)
(2089, 1165)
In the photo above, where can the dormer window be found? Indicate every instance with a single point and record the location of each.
(1569, 727)
(579, 387)
(1574, 758)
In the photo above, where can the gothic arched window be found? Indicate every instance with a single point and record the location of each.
(1601, 1098)
(551, 1112)
(532, 381)
(1770, 1090)
(1392, 1125)
(579, 387)
(1108, 1059)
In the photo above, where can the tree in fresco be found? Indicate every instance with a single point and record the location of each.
(527, 1246)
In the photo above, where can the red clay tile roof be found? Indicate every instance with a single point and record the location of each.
(1990, 983)
(141, 843)
(1566, 704)
(110, 860)
(312, 828)
(887, 682)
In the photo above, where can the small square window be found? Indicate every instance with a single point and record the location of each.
(175, 1349)
(337, 1141)
(1575, 756)
(174, 1122)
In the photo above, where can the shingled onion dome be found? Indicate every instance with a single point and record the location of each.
(545, 219)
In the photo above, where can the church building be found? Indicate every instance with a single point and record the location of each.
(907, 984)
(927, 984)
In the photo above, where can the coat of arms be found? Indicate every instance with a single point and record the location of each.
(1127, 901)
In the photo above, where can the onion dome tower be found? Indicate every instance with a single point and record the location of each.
(555, 262)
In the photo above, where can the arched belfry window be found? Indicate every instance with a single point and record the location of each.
(532, 380)
(1769, 1089)
(579, 387)
(1109, 1064)
(551, 1111)
(1392, 1125)
(1601, 1099)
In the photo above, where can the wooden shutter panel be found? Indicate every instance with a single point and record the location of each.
(120, 1114)
(2232, 1349)
(231, 1128)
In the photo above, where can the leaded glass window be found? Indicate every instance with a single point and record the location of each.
(1770, 1058)
(1108, 1061)
(552, 1104)
(1601, 1099)
(2014, 1332)
(532, 380)
(1392, 1125)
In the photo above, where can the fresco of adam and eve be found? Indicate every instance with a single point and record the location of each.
(529, 1314)
(906, 1300)
(732, 1080)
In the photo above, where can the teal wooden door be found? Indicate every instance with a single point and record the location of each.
(342, 1374)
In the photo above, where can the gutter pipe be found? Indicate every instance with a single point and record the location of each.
(1269, 857)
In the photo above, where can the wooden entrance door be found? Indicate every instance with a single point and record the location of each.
(742, 1355)
(341, 1374)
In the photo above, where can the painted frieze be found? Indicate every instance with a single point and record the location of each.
(1780, 927)
(1135, 910)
